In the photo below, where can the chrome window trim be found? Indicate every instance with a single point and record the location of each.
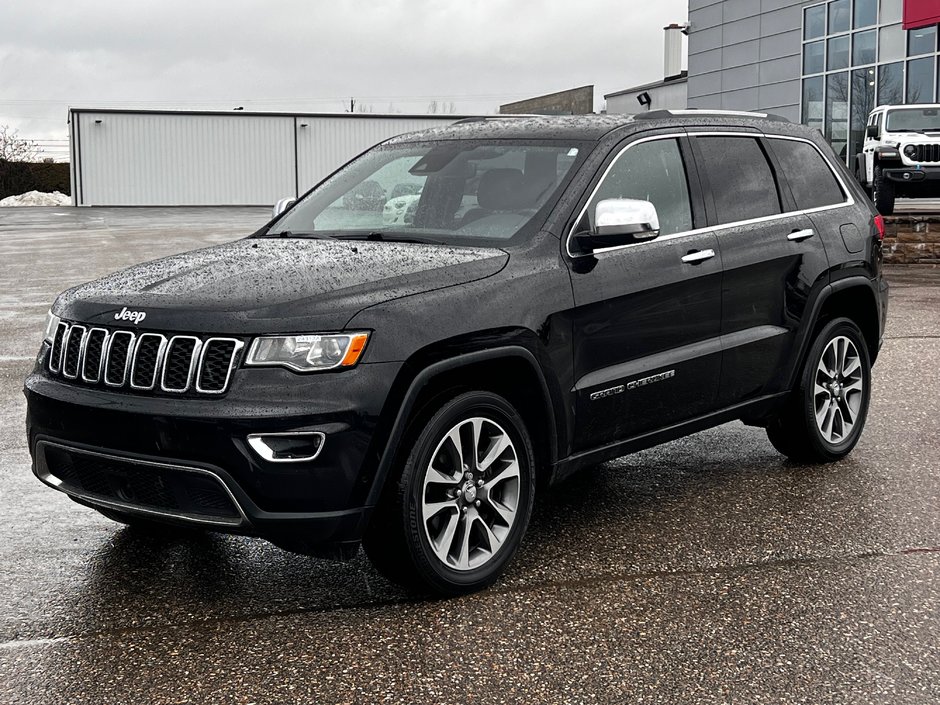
(231, 364)
(81, 350)
(57, 483)
(157, 364)
(127, 363)
(85, 351)
(193, 361)
(717, 229)
(255, 440)
(58, 367)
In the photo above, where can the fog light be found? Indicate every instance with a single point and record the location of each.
(295, 447)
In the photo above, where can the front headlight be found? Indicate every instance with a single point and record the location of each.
(308, 353)
(52, 322)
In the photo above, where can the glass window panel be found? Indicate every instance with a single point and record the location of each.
(837, 112)
(891, 11)
(814, 57)
(838, 53)
(839, 16)
(863, 102)
(920, 80)
(891, 84)
(891, 43)
(866, 13)
(654, 172)
(748, 186)
(922, 41)
(814, 22)
(813, 102)
(863, 48)
(809, 176)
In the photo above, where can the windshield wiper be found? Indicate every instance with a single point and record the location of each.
(289, 233)
(386, 237)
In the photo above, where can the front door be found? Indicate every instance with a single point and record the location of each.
(646, 320)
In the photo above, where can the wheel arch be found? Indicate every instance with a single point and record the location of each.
(854, 298)
(513, 371)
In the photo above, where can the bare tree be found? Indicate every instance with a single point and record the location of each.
(433, 107)
(14, 148)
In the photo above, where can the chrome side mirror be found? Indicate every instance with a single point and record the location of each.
(282, 206)
(620, 221)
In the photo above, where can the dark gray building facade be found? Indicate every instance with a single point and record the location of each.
(827, 64)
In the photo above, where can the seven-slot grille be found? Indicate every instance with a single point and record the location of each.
(143, 362)
(926, 153)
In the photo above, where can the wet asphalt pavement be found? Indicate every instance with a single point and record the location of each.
(708, 570)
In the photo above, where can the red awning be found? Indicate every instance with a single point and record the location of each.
(921, 13)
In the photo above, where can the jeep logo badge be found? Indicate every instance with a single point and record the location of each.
(134, 317)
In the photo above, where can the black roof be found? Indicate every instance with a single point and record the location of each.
(590, 127)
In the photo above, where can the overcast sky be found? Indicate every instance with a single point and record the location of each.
(310, 55)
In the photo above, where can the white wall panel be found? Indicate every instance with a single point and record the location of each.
(179, 159)
(184, 159)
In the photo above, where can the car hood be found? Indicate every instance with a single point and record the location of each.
(264, 285)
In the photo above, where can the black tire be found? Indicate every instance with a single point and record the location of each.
(398, 539)
(883, 193)
(860, 177)
(148, 526)
(795, 432)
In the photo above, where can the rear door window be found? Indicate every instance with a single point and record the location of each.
(741, 179)
(809, 177)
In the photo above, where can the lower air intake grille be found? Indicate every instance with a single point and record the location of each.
(169, 489)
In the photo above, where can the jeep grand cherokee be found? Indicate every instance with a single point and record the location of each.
(566, 291)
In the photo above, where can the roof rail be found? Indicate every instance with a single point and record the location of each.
(485, 118)
(704, 112)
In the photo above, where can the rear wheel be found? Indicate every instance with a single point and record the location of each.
(457, 513)
(883, 193)
(826, 414)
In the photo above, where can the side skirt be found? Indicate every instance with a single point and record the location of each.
(750, 410)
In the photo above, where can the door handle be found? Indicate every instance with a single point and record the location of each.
(699, 256)
(800, 235)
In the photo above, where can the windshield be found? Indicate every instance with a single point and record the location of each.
(913, 120)
(457, 192)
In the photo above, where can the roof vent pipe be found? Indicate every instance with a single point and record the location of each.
(673, 51)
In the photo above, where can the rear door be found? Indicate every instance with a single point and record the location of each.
(773, 259)
(647, 315)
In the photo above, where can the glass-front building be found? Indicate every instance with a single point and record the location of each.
(857, 55)
(827, 64)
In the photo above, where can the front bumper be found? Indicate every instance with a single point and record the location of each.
(914, 175)
(187, 456)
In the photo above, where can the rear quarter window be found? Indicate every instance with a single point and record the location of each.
(809, 176)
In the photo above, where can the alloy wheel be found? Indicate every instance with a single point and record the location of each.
(470, 494)
(839, 390)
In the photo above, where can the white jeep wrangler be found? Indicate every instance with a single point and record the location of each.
(901, 156)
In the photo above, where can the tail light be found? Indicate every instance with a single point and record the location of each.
(880, 227)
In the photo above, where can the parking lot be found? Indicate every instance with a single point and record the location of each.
(708, 570)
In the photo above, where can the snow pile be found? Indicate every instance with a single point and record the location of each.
(36, 198)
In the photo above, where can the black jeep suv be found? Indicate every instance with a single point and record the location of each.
(566, 291)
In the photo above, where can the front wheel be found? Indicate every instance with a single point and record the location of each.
(826, 414)
(883, 193)
(457, 514)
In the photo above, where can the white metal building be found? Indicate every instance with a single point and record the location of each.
(170, 158)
